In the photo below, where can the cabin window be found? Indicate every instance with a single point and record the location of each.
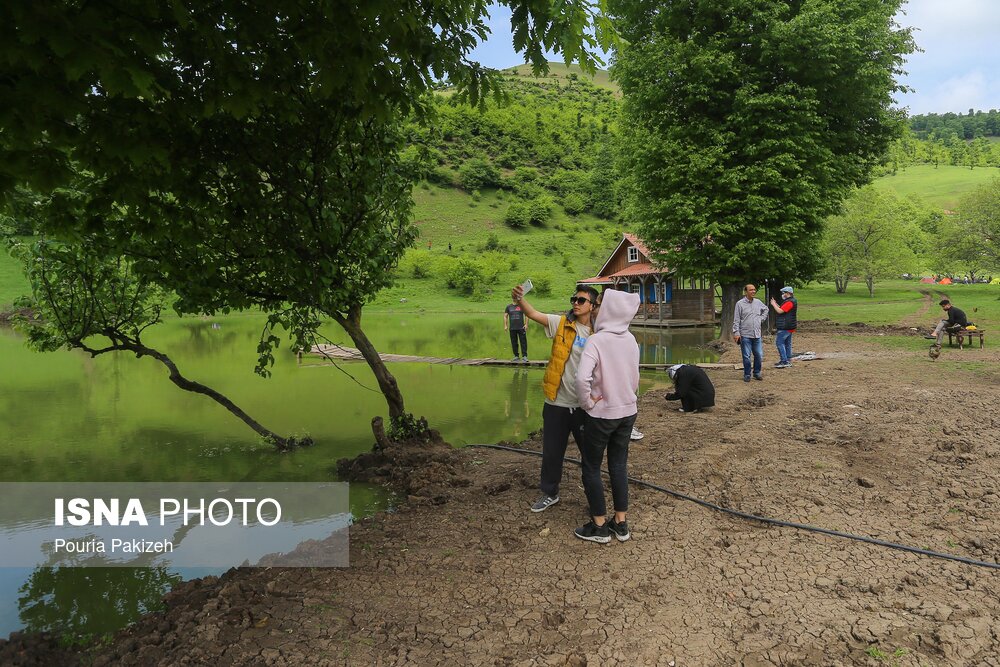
(633, 254)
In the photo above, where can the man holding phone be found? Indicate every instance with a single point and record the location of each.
(561, 414)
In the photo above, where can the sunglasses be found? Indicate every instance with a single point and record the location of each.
(579, 300)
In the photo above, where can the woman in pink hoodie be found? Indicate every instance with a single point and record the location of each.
(607, 382)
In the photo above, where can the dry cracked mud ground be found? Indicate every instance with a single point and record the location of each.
(876, 440)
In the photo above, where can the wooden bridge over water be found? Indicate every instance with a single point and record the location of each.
(340, 353)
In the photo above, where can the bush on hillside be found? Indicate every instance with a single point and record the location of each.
(493, 243)
(542, 283)
(478, 173)
(517, 215)
(465, 275)
(540, 210)
(574, 203)
(441, 176)
(418, 263)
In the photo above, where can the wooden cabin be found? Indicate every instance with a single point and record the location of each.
(665, 296)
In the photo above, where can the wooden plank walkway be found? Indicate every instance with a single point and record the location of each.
(338, 353)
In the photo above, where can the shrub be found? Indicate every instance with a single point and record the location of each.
(492, 243)
(574, 203)
(517, 216)
(542, 283)
(417, 263)
(441, 176)
(478, 173)
(476, 196)
(540, 210)
(465, 275)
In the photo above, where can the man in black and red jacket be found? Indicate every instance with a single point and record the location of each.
(785, 323)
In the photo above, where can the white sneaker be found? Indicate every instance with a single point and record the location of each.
(637, 434)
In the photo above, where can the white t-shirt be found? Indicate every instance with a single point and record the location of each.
(566, 395)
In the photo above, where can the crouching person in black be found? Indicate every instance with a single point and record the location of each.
(691, 387)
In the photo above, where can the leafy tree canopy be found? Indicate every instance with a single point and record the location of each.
(746, 122)
(249, 158)
(69, 64)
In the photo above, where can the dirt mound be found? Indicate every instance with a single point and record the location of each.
(825, 325)
(7, 316)
(424, 468)
(36, 650)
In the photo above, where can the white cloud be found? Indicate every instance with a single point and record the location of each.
(954, 72)
(972, 90)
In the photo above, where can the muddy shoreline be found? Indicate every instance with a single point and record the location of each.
(878, 440)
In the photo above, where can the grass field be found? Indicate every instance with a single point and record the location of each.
(12, 282)
(569, 248)
(942, 187)
(896, 300)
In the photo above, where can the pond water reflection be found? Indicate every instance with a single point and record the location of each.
(65, 417)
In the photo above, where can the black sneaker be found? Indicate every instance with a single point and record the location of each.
(591, 532)
(544, 503)
(758, 377)
(619, 530)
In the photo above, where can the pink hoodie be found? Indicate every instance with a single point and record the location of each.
(609, 366)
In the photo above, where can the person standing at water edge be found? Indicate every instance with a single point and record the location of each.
(785, 323)
(607, 383)
(514, 322)
(561, 414)
(749, 315)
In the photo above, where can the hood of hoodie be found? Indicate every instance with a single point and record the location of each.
(617, 310)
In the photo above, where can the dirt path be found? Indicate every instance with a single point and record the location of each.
(877, 441)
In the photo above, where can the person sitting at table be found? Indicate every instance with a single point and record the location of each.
(956, 321)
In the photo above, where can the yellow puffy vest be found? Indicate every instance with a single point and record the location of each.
(562, 346)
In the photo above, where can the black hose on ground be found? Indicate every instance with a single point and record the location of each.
(774, 522)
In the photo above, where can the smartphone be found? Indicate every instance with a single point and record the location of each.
(526, 286)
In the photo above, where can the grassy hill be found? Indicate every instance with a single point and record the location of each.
(942, 186)
(564, 250)
(559, 73)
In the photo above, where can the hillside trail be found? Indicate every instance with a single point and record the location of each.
(876, 441)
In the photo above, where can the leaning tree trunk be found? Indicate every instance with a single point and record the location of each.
(731, 293)
(141, 350)
(386, 381)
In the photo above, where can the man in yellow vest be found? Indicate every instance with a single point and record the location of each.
(561, 414)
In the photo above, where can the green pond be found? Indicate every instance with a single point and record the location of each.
(66, 417)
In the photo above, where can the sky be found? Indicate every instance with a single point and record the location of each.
(957, 70)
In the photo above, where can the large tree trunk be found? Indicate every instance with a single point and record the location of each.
(731, 293)
(870, 281)
(141, 350)
(841, 283)
(386, 382)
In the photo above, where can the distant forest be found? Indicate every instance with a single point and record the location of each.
(965, 126)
